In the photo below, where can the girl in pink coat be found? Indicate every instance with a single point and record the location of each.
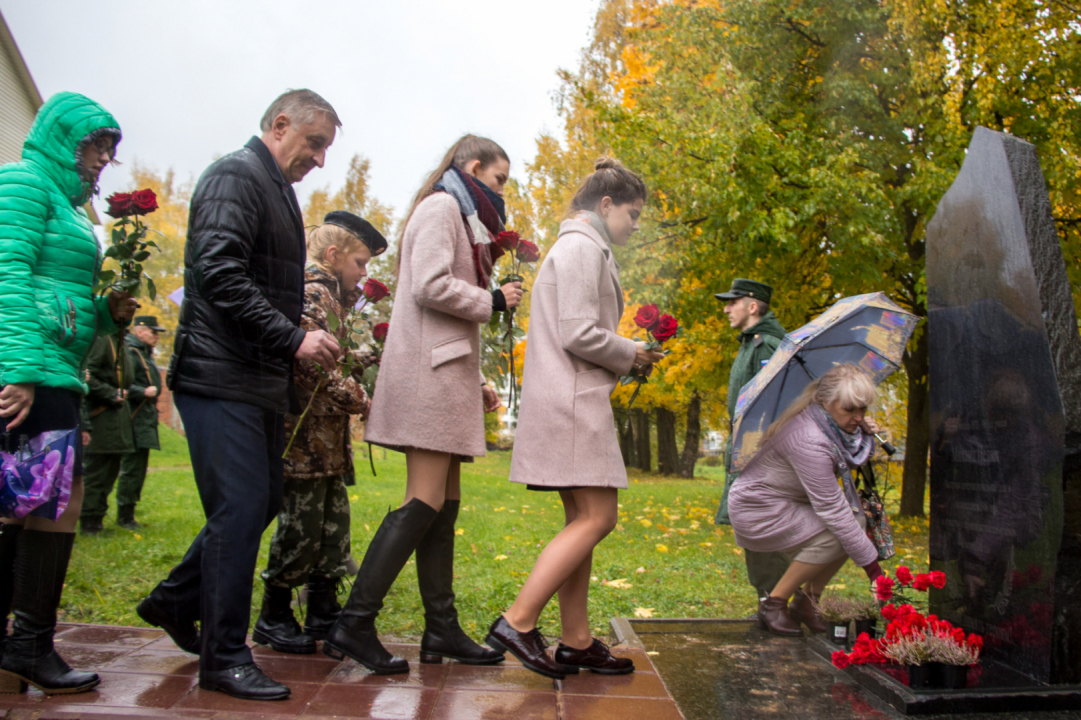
(430, 399)
(566, 438)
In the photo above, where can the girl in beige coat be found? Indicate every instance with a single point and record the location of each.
(566, 438)
(430, 398)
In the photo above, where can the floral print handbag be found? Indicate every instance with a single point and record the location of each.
(879, 531)
(36, 474)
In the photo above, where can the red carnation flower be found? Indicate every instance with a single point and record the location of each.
(508, 240)
(666, 328)
(119, 204)
(840, 659)
(374, 290)
(904, 575)
(922, 582)
(143, 202)
(884, 587)
(527, 251)
(975, 641)
(379, 332)
(938, 579)
(647, 317)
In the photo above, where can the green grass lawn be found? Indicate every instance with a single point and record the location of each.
(666, 557)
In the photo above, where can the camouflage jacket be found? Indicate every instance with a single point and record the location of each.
(322, 447)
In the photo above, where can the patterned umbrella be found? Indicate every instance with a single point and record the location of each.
(866, 330)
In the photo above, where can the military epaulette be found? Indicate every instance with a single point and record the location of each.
(758, 340)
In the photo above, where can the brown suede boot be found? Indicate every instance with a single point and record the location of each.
(773, 616)
(802, 610)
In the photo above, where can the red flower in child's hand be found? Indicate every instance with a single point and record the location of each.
(883, 587)
(666, 328)
(379, 332)
(922, 582)
(938, 579)
(374, 290)
(904, 575)
(840, 659)
(647, 317)
(527, 251)
(119, 204)
(508, 240)
(144, 202)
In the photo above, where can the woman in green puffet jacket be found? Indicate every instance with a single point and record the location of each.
(49, 316)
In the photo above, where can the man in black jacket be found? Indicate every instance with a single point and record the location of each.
(231, 377)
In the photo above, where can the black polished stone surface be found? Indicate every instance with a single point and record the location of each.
(735, 671)
(998, 425)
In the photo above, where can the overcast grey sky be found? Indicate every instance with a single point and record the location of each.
(189, 81)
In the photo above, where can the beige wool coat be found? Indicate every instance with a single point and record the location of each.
(428, 391)
(566, 433)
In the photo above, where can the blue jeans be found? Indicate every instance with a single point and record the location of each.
(236, 454)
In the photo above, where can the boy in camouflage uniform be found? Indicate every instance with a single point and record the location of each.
(311, 544)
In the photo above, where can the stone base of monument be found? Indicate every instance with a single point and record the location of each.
(992, 687)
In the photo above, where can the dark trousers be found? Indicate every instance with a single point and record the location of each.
(100, 471)
(236, 454)
(129, 487)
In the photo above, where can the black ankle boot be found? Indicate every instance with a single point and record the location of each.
(276, 625)
(125, 517)
(41, 563)
(354, 632)
(323, 607)
(443, 636)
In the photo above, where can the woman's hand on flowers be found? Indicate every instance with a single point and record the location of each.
(644, 358)
(122, 306)
(16, 400)
(512, 293)
(491, 399)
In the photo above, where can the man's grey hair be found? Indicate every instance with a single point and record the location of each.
(300, 106)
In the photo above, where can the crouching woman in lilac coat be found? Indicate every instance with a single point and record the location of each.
(566, 438)
(789, 500)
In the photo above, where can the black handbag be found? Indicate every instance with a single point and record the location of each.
(879, 531)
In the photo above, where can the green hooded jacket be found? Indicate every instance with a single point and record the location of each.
(756, 346)
(49, 255)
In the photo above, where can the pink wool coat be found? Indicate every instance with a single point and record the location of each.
(566, 433)
(790, 493)
(428, 392)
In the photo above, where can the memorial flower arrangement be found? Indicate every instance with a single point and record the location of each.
(660, 328)
(838, 608)
(522, 251)
(359, 358)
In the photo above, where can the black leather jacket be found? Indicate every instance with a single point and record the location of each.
(243, 284)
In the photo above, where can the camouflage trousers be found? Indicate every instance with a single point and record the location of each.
(312, 534)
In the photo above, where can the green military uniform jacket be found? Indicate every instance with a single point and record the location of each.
(110, 420)
(144, 410)
(756, 346)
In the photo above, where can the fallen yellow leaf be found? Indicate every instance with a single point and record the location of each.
(500, 557)
(646, 523)
(643, 612)
(662, 548)
(618, 583)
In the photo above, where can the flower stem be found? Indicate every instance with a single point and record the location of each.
(303, 415)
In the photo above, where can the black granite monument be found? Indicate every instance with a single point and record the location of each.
(1005, 396)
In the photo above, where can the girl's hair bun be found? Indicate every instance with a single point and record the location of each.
(606, 163)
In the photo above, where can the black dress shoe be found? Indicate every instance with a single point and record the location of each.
(597, 657)
(529, 647)
(184, 634)
(246, 682)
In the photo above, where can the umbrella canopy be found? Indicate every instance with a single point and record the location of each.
(870, 331)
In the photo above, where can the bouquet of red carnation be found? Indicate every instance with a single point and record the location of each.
(896, 588)
(660, 328)
(523, 251)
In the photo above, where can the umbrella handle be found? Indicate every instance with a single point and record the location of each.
(890, 449)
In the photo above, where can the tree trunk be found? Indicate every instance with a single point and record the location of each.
(692, 439)
(626, 439)
(918, 441)
(667, 452)
(641, 440)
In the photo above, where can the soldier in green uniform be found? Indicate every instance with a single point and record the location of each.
(143, 403)
(110, 427)
(747, 307)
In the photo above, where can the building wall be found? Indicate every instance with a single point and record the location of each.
(16, 106)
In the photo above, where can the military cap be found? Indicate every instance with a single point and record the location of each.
(742, 287)
(148, 321)
(360, 227)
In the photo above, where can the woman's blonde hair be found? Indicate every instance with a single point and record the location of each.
(322, 237)
(846, 384)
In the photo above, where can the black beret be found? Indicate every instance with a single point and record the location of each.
(360, 227)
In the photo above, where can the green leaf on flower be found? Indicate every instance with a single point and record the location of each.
(151, 289)
(333, 322)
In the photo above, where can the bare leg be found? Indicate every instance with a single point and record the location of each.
(427, 477)
(68, 519)
(817, 584)
(596, 512)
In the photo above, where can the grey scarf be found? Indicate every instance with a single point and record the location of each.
(850, 450)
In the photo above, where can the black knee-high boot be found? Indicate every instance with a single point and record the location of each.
(353, 634)
(443, 636)
(41, 563)
(9, 541)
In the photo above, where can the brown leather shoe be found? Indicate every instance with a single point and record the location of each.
(597, 657)
(773, 616)
(802, 610)
(529, 647)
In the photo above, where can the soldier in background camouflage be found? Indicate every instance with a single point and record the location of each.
(311, 545)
